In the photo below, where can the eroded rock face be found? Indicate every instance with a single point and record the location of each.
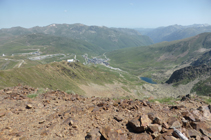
(58, 115)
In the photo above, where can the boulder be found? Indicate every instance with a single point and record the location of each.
(165, 125)
(135, 124)
(142, 136)
(193, 133)
(117, 118)
(93, 135)
(205, 138)
(2, 113)
(111, 134)
(170, 138)
(145, 121)
(205, 132)
(29, 106)
(160, 137)
(157, 120)
(176, 124)
(187, 115)
(155, 128)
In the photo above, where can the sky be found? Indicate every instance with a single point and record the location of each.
(110, 13)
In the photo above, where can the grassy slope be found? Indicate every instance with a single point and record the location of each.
(62, 75)
(48, 44)
(145, 60)
(203, 87)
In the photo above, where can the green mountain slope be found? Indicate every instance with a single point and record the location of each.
(203, 87)
(52, 44)
(65, 76)
(104, 38)
(160, 57)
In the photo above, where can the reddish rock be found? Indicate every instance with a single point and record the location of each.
(117, 118)
(152, 116)
(187, 115)
(142, 136)
(193, 133)
(136, 125)
(164, 130)
(157, 120)
(198, 137)
(205, 138)
(105, 132)
(160, 137)
(169, 132)
(124, 105)
(171, 120)
(209, 106)
(170, 138)
(145, 121)
(198, 125)
(111, 134)
(144, 103)
(2, 113)
(176, 124)
(177, 107)
(155, 134)
(155, 127)
(93, 135)
(90, 108)
(101, 104)
(29, 106)
(205, 132)
(44, 133)
(165, 125)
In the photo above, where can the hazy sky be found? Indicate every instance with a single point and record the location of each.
(110, 13)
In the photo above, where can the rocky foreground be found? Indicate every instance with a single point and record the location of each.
(58, 115)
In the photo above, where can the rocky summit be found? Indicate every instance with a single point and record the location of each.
(56, 115)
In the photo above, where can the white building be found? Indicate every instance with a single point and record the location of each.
(70, 60)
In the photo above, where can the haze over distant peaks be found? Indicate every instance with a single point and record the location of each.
(174, 32)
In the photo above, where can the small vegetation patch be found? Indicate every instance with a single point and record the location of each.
(208, 100)
(125, 88)
(70, 92)
(170, 101)
(32, 95)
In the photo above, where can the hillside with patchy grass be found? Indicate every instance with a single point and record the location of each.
(76, 77)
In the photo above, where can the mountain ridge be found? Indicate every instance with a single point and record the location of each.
(104, 37)
(175, 32)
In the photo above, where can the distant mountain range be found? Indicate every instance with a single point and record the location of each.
(174, 32)
(89, 39)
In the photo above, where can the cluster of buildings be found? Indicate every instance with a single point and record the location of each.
(97, 61)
